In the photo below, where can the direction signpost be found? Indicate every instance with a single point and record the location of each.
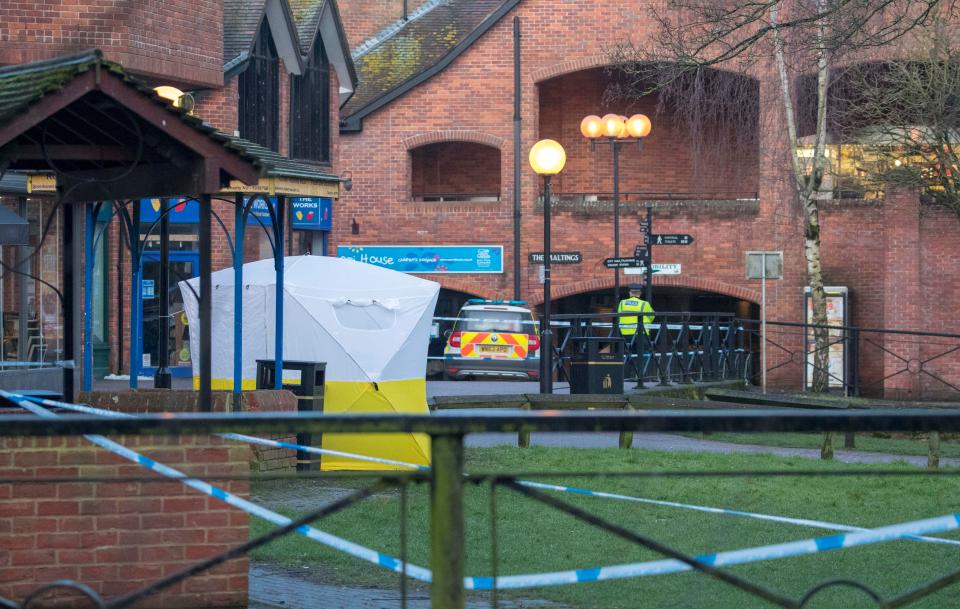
(672, 239)
(623, 263)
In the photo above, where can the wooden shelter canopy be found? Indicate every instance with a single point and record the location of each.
(107, 135)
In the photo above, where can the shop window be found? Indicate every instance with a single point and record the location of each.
(455, 171)
(259, 89)
(853, 171)
(310, 109)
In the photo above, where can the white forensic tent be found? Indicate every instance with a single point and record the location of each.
(369, 324)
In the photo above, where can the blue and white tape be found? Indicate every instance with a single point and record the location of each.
(803, 522)
(236, 436)
(332, 541)
(803, 547)
(914, 529)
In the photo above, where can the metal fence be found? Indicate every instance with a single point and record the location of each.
(673, 348)
(446, 573)
(863, 362)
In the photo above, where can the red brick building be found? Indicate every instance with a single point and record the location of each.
(426, 134)
(271, 71)
(428, 137)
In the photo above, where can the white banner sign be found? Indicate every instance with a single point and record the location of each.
(672, 268)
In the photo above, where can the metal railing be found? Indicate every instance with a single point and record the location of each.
(865, 362)
(448, 479)
(673, 348)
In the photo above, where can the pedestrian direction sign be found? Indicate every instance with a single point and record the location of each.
(622, 263)
(658, 269)
(672, 239)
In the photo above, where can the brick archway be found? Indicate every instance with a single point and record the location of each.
(694, 283)
(570, 66)
(452, 135)
(462, 285)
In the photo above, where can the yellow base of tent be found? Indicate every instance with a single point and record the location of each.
(354, 397)
(387, 397)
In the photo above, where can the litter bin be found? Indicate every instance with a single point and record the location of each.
(596, 365)
(309, 392)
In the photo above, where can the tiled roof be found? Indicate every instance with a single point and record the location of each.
(22, 86)
(306, 15)
(423, 43)
(240, 21)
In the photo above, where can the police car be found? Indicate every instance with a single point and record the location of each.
(493, 338)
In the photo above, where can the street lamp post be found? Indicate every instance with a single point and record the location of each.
(616, 129)
(547, 159)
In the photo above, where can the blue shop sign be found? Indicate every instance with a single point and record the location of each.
(311, 213)
(184, 211)
(149, 289)
(428, 258)
(260, 210)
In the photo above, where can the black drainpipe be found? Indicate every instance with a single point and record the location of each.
(516, 157)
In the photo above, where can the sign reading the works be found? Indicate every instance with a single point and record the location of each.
(556, 258)
(311, 213)
(428, 258)
(307, 213)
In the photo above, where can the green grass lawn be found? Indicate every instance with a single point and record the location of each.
(865, 442)
(535, 538)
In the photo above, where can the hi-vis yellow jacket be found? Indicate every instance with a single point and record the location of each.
(628, 325)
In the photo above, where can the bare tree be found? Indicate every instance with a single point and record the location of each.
(907, 112)
(780, 40)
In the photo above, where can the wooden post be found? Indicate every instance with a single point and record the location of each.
(626, 437)
(826, 449)
(523, 437)
(933, 450)
(447, 537)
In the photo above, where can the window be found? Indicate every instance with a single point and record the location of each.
(259, 116)
(310, 109)
(455, 171)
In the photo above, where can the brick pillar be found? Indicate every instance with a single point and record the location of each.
(902, 293)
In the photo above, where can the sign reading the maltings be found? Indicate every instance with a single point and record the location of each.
(557, 258)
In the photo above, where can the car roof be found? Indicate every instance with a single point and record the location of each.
(494, 307)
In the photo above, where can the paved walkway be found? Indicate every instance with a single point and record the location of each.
(272, 587)
(674, 443)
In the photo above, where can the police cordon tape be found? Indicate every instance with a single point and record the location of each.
(940, 524)
(804, 522)
(913, 529)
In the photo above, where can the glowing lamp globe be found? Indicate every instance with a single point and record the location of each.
(612, 125)
(591, 126)
(172, 94)
(639, 125)
(547, 157)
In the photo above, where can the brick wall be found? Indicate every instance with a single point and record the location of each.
(167, 41)
(117, 537)
(475, 95)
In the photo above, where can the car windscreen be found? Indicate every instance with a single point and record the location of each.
(494, 321)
